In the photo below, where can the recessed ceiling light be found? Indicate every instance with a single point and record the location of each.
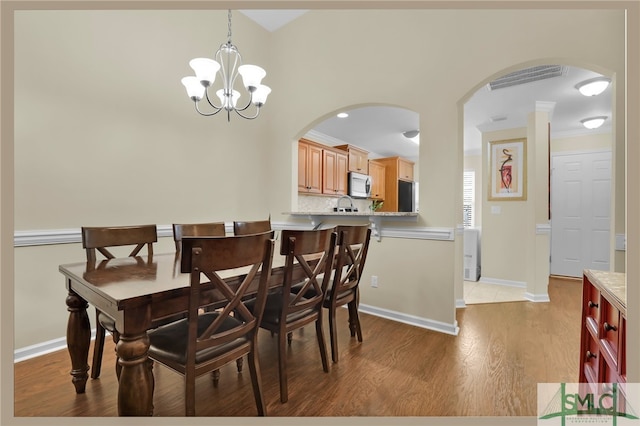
(343, 115)
(593, 86)
(593, 122)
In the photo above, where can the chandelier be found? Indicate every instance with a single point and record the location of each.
(227, 63)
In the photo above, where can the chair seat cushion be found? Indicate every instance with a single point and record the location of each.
(170, 341)
(273, 309)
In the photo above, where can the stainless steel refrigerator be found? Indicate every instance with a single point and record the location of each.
(406, 196)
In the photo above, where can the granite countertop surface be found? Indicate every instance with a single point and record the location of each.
(362, 213)
(613, 284)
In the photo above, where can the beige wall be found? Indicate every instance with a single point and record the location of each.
(106, 135)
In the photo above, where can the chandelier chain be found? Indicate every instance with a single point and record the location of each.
(229, 33)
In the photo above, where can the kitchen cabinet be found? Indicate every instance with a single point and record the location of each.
(309, 167)
(405, 169)
(358, 158)
(377, 173)
(396, 169)
(334, 172)
(603, 328)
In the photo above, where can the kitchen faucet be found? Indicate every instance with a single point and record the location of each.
(338, 208)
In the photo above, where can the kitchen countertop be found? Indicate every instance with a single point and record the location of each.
(376, 218)
(363, 213)
(614, 284)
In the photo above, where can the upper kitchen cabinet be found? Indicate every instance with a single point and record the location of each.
(405, 169)
(334, 170)
(377, 173)
(358, 158)
(309, 167)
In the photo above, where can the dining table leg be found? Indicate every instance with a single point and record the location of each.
(135, 388)
(78, 340)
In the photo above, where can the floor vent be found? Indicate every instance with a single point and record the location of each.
(528, 75)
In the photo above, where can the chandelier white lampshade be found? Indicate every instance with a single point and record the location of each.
(593, 86)
(593, 122)
(227, 64)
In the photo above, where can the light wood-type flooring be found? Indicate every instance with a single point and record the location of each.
(490, 369)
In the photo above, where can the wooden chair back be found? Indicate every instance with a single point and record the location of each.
(245, 228)
(353, 245)
(99, 238)
(206, 341)
(210, 256)
(313, 252)
(210, 229)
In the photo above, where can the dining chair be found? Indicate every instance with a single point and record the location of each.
(204, 342)
(209, 229)
(352, 249)
(308, 259)
(99, 239)
(251, 227)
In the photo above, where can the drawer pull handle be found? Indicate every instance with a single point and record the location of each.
(591, 355)
(592, 304)
(609, 327)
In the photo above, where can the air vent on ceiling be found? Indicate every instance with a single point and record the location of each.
(528, 75)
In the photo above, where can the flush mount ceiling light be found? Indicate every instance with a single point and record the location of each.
(593, 122)
(229, 65)
(412, 135)
(593, 86)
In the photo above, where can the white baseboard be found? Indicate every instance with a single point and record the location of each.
(429, 324)
(544, 297)
(28, 352)
(498, 281)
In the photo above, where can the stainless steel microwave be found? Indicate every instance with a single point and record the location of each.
(359, 185)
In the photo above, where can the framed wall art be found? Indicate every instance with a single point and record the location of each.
(508, 170)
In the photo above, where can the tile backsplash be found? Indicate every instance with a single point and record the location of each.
(311, 203)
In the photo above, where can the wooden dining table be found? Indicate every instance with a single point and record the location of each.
(135, 291)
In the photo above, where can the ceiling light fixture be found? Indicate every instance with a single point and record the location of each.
(229, 64)
(412, 135)
(593, 86)
(593, 122)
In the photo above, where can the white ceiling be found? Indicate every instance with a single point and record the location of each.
(379, 129)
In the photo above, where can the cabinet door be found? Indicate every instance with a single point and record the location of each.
(314, 170)
(405, 170)
(334, 180)
(377, 172)
(342, 162)
(309, 168)
(303, 154)
(358, 161)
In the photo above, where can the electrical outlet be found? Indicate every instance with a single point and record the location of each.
(374, 281)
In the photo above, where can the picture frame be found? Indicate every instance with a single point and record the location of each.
(508, 170)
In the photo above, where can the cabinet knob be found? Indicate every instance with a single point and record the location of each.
(592, 304)
(609, 327)
(591, 355)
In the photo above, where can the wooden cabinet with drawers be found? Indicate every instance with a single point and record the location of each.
(603, 335)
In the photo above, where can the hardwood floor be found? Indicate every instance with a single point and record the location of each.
(490, 369)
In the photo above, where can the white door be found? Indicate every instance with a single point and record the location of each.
(580, 212)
